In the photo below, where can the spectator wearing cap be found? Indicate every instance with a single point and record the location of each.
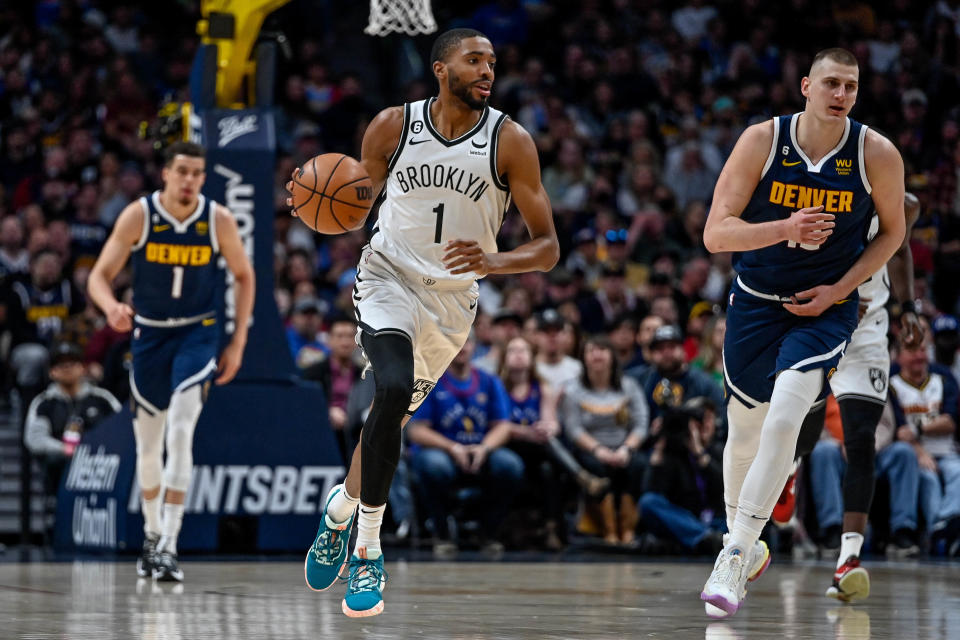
(553, 364)
(303, 331)
(670, 381)
(605, 417)
(615, 250)
(561, 287)
(612, 299)
(583, 256)
(946, 341)
(506, 325)
(700, 315)
(59, 416)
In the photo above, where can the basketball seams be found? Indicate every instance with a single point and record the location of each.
(316, 190)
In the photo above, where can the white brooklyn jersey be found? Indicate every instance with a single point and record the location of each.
(439, 190)
(877, 288)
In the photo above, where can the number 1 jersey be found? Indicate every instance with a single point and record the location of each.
(175, 272)
(439, 190)
(790, 181)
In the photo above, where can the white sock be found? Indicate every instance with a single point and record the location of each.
(743, 438)
(793, 394)
(341, 506)
(850, 545)
(172, 519)
(368, 531)
(151, 514)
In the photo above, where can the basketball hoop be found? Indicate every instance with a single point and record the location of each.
(412, 17)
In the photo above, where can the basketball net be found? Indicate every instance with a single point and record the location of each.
(412, 17)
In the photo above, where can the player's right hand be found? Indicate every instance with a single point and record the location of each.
(120, 317)
(289, 188)
(911, 331)
(810, 226)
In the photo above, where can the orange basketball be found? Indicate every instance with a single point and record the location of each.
(332, 193)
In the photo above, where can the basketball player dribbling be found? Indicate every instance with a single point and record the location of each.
(794, 202)
(448, 167)
(174, 238)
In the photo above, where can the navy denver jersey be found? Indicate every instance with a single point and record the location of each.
(175, 272)
(526, 411)
(790, 181)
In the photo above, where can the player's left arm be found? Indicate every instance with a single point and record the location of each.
(900, 269)
(231, 248)
(884, 168)
(518, 161)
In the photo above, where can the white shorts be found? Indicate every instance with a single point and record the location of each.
(436, 322)
(864, 369)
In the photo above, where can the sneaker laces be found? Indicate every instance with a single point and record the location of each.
(365, 575)
(730, 569)
(328, 546)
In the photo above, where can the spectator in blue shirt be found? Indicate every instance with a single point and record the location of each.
(458, 433)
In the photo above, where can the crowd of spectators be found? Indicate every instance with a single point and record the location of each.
(634, 106)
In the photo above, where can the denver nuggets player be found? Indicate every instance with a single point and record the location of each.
(175, 237)
(449, 167)
(793, 202)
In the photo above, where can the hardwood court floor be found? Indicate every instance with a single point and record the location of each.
(469, 601)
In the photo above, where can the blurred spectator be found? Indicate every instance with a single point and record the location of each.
(534, 435)
(612, 299)
(896, 462)
(303, 334)
(683, 499)
(568, 182)
(507, 325)
(58, 417)
(583, 256)
(460, 431)
(623, 337)
(709, 358)
(605, 417)
(946, 341)
(38, 310)
(671, 381)
(337, 370)
(553, 363)
(928, 395)
(14, 258)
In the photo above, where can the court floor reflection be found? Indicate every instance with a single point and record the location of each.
(469, 601)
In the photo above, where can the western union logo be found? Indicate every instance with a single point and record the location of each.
(184, 255)
(844, 167)
(796, 196)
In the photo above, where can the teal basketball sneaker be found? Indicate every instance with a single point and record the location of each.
(364, 586)
(329, 551)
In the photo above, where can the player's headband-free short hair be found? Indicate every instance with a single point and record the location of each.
(447, 41)
(182, 148)
(836, 54)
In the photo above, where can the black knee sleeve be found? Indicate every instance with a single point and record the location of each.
(860, 418)
(810, 431)
(391, 356)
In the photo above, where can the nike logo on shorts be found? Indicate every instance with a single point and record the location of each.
(473, 305)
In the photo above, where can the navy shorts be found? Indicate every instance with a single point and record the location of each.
(763, 339)
(168, 359)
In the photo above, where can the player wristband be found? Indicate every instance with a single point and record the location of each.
(908, 306)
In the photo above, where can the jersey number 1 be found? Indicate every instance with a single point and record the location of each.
(177, 290)
(439, 211)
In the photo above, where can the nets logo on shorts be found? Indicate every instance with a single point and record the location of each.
(420, 390)
(878, 378)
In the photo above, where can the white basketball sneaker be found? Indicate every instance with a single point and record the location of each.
(721, 598)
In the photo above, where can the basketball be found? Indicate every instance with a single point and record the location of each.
(332, 193)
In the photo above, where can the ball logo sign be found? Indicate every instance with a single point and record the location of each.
(232, 127)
